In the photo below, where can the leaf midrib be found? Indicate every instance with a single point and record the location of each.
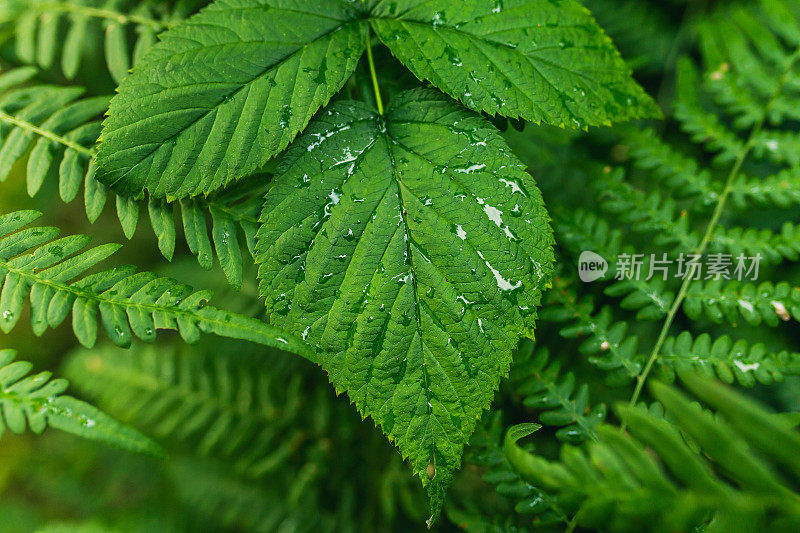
(429, 409)
(417, 305)
(438, 269)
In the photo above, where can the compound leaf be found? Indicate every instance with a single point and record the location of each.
(224, 91)
(545, 61)
(52, 274)
(36, 401)
(412, 248)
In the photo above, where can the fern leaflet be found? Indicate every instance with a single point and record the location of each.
(81, 26)
(37, 402)
(616, 483)
(128, 303)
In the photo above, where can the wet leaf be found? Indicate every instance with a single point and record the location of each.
(412, 249)
(36, 402)
(225, 91)
(543, 61)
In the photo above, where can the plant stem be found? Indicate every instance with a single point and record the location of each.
(108, 14)
(572, 523)
(712, 224)
(374, 75)
(5, 117)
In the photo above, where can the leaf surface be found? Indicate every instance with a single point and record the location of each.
(545, 61)
(224, 91)
(412, 249)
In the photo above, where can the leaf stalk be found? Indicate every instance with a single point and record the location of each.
(374, 76)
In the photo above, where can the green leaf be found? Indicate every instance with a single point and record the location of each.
(116, 49)
(63, 140)
(554, 395)
(82, 419)
(37, 401)
(543, 61)
(413, 248)
(224, 91)
(128, 304)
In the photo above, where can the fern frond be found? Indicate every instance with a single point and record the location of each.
(486, 452)
(606, 341)
(653, 480)
(58, 126)
(781, 189)
(703, 127)
(771, 246)
(124, 30)
(581, 230)
(228, 407)
(750, 80)
(208, 489)
(646, 212)
(37, 402)
(730, 361)
(722, 300)
(232, 210)
(778, 147)
(553, 394)
(678, 172)
(651, 299)
(229, 213)
(733, 109)
(750, 52)
(254, 434)
(129, 304)
(63, 131)
(218, 497)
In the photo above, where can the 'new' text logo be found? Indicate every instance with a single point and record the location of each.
(591, 266)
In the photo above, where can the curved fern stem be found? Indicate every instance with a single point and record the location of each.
(642, 378)
(374, 76)
(49, 135)
(102, 13)
(47, 272)
(712, 224)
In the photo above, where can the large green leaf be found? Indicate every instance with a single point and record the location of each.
(224, 91)
(231, 87)
(412, 249)
(543, 60)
